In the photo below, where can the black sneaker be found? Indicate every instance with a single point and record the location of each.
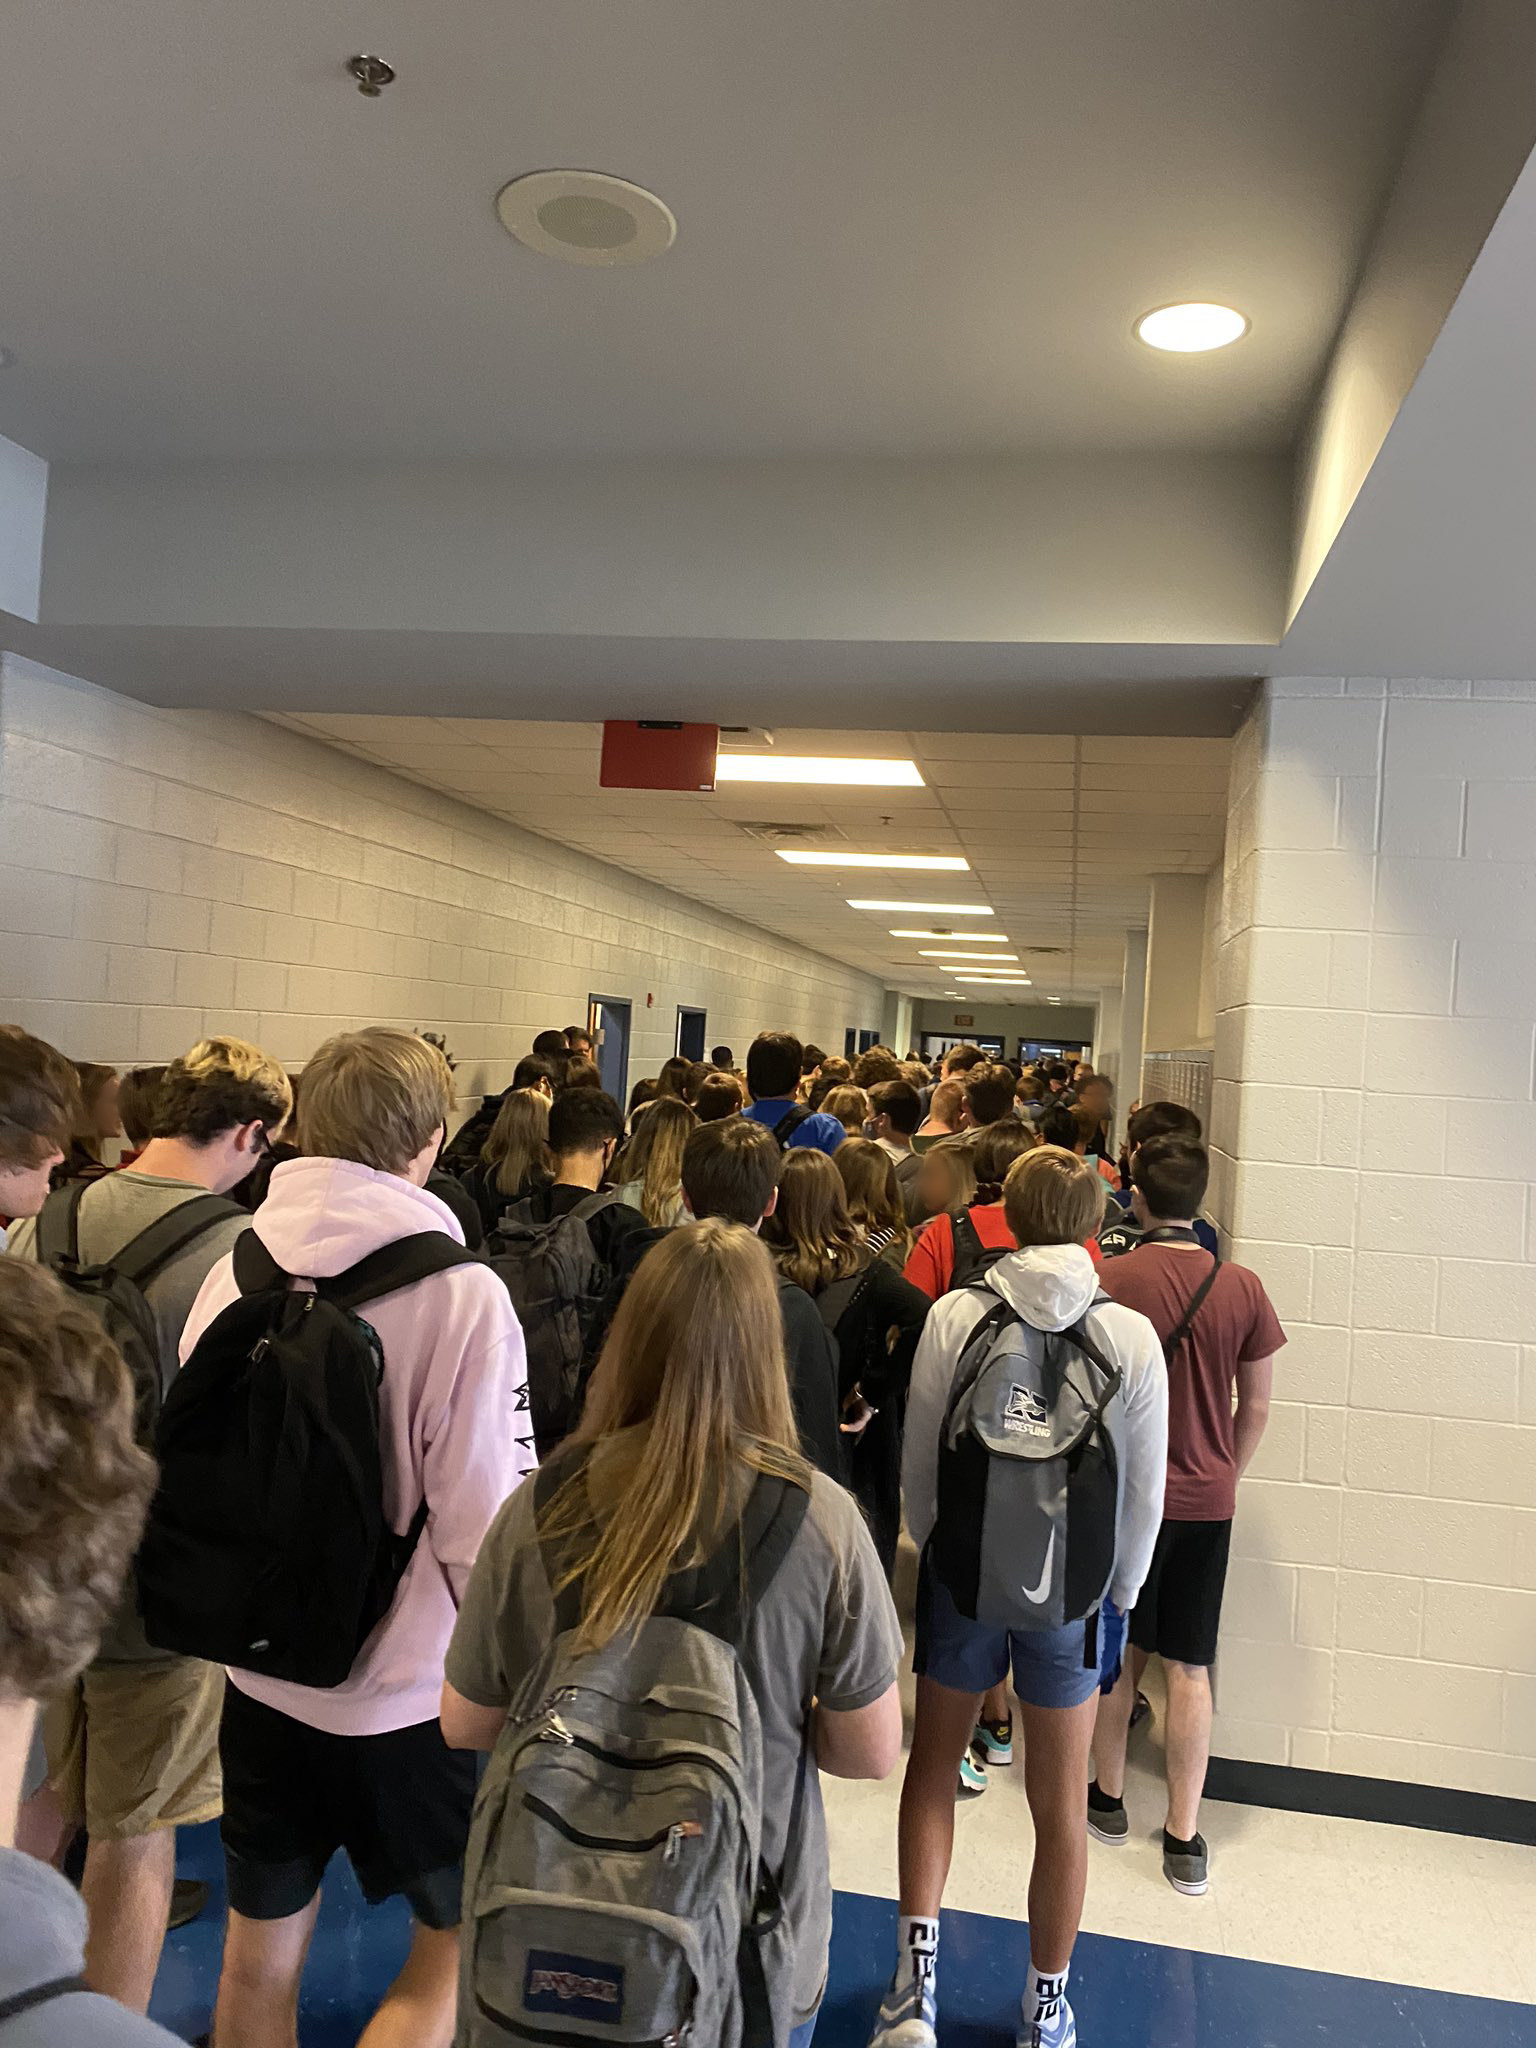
(1187, 1865)
(189, 1895)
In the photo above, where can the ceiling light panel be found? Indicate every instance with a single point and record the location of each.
(921, 909)
(951, 863)
(995, 980)
(818, 768)
(1191, 329)
(971, 938)
(930, 953)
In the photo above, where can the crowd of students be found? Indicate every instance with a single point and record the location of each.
(587, 1439)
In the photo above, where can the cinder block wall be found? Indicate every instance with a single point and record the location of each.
(1376, 1141)
(168, 873)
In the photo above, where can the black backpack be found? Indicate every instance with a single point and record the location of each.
(559, 1285)
(114, 1290)
(973, 1259)
(267, 1546)
(789, 1123)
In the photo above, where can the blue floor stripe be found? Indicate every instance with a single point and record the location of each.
(1127, 1994)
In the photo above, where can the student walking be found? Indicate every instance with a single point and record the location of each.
(1033, 1470)
(1220, 1335)
(360, 1764)
(679, 1529)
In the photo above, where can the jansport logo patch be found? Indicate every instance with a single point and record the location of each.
(574, 1987)
(1025, 1413)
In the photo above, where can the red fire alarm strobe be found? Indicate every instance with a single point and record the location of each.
(652, 753)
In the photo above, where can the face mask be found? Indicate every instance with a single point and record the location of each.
(869, 1127)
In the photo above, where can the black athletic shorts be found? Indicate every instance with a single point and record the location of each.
(1178, 1613)
(399, 1804)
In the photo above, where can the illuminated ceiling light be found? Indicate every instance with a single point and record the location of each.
(971, 938)
(1191, 329)
(951, 863)
(1053, 999)
(933, 953)
(996, 980)
(824, 768)
(921, 909)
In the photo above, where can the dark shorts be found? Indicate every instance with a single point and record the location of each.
(399, 1804)
(1179, 1612)
(1052, 1667)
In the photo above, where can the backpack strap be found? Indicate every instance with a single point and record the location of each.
(394, 1266)
(40, 1994)
(593, 1205)
(58, 1225)
(790, 1122)
(973, 1356)
(1196, 1301)
(170, 1235)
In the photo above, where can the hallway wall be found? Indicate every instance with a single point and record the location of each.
(167, 873)
(1375, 1130)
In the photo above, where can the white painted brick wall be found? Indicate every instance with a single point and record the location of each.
(1377, 1122)
(163, 874)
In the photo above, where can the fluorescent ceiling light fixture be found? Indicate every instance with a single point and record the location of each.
(921, 909)
(936, 953)
(1053, 999)
(817, 768)
(1191, 329)
(952, 863)
(971, 938)
(997, 980)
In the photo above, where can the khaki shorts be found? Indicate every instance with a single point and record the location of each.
(135, 1747)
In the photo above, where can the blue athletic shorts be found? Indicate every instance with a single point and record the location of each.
(968, 1656)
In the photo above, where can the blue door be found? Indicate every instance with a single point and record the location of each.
(608, 1021)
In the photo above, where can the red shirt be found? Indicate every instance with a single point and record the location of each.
(1235, 1325)
(931, 1261)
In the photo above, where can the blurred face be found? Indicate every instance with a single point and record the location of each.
(1094, 1095)
(24, 1189)
(105, 1121)
(935, 1186)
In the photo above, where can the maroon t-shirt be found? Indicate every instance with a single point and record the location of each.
(1233, 1326)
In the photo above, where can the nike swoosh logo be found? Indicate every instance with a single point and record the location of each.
(1037, 1593)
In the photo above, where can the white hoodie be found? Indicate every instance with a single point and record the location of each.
(1050, 1286)
(452, 1423)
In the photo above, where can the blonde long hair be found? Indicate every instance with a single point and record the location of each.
(518, 1142)
(810, 1234)
(689, 1399)
(654, 1156)
(868, 1174)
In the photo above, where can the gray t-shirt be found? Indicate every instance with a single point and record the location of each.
(113, 1210)
(826, 1628)
(42, 1941)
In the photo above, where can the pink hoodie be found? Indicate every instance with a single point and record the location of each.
(452, 1418)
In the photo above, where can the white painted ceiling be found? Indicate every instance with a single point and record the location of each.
(904, 227)
(1062, 832)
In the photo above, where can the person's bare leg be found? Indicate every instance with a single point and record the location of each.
(1189, 1745)
(1057, 1741)
(258, 2004)
(925, 1835)
(43, 1829)
(421, 2006)
(1112, 1732)
(127, 1894)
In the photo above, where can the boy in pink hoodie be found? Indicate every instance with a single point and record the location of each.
(363, 1766)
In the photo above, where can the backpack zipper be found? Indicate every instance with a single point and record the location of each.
(555, 1730)
(674, 1836)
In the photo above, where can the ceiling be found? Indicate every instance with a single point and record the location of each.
(904, 228)
(1062, 832)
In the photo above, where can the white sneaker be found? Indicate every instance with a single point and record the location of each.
(1060, 2031)
(908, 2015)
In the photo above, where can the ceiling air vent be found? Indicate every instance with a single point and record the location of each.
(792, 835)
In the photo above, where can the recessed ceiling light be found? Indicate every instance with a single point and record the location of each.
(824, 768)
(1053, 999)
(1192, 328)
(952, 863)
(997, 980)
(921, 909)
(971, 938)
(933, 953)
(586, 217)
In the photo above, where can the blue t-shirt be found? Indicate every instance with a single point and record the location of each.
(822, 1132)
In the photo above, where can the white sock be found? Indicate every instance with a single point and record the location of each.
(917, 1947)
(1043, 1996)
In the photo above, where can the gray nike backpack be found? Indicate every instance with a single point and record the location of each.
(615, 1885)
(1029, 1476)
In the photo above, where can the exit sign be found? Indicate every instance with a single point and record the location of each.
(963, 1023)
